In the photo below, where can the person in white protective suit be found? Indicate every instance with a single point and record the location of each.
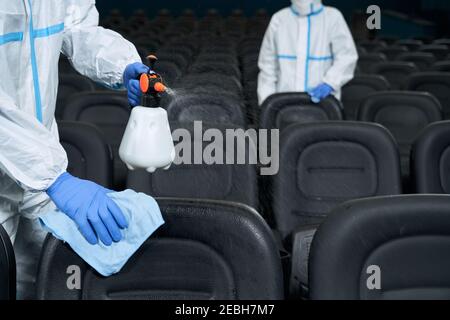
(33, 164)
(307, 47)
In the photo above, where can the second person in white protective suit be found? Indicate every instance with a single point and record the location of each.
(307, 47)
(33, 164)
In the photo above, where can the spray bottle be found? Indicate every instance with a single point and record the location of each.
(147, 142)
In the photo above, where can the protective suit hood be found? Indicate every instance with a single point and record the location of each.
(306, 7)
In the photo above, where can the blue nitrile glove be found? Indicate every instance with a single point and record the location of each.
(87, 203)
(130, 82)
(320, 92)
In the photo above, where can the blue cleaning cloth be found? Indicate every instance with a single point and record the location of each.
(143, 216)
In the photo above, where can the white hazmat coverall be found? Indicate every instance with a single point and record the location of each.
(32, 35)
(304, 46)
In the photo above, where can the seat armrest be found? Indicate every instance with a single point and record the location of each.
(301, 242)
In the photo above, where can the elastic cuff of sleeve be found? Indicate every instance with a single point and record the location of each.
(60, 179)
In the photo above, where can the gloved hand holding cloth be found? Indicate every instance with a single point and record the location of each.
(131, 218)
(88, 205)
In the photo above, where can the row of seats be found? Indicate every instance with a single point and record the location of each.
(166, 25)
(411, 45)
(424, 61)
(201, 253)
(399, 73)
(202, 90)
(403, 113)
(327, 163)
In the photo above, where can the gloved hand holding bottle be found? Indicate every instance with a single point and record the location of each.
(88, 205)
(320, 92)
(131, 82)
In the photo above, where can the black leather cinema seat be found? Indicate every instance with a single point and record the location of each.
(169, 71)
(366, 61)
(402, 241)
(177, 57)
(231, 182)
(283, 109)
(324, 164)
(372, 45)
(210, 83)
(442, 66)
(90, 157)
(393, 52)
(436, 83)
(396, 72)
(422, 60)
(439, 51)
(411, 44)
(108, 111)
(354, 92)
(205, 250)
(404, 113)
(69, 85)
(430, 168)
(65, 67)
(215, 67)
(7, 267)
(217, 57)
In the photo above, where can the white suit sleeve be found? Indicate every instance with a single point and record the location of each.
(268, 65)
(30, 154)
(95, 52)
(344, 53)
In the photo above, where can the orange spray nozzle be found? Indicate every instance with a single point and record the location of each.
(159, 87)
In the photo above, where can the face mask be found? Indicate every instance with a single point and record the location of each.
(303, 7)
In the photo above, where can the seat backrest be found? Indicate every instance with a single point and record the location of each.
(90, 157)
(207, 107)
(168, 71)
(435, 83)
(366, 61)
(385, 248)
(215, 67)
(210, 83)
(361, 50)
(430, 158)
(206, 179)
(70, 84)
(354, 92)
(150, 45)
(109, 112)
(404, 113)
(442, 66)
(392, 52)
(283, 109)
(183, 48)
(205, 250)
(389, 40)
(209, 58)
(442, 41)
(324, 164)
(371, 46)
(65, 67)
(423, 60)
(180, 58)
(396, 72)
(250, 60)
(411, 44)
(439, 51)
(7, 267)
